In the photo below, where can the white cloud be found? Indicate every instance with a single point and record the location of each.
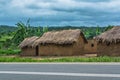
(76, 11)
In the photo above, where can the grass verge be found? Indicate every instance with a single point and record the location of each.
(65, 59)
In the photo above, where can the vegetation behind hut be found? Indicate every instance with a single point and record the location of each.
(110, 36)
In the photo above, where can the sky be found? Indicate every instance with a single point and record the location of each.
(60, 12)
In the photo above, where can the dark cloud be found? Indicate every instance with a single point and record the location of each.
(60, 12)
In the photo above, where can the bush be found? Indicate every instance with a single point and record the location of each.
(9, 52)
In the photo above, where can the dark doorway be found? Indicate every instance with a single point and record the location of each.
(37, 50)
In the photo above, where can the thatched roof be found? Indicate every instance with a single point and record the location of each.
(60, 37)
(110, 36)
(28, 42)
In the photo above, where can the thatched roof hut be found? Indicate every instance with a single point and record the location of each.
(60, 37)
(109, 43)
(54, 43)
(28, 42)
(110, 36)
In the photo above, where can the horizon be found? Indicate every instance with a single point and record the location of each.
(61, 26)
(60, 12)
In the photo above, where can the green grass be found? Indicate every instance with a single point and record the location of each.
(4, 38)
(9, 52)
(65, 59)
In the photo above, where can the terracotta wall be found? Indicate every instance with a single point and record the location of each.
(28, 51)
(90, 47)
(69, 50)
(108, 50)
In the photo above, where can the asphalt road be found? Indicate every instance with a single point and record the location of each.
(61, 71)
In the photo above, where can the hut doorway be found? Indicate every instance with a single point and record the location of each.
(37, 51)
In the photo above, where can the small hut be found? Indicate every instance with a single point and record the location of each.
(61, 43)
(26, 47)
(108, 43)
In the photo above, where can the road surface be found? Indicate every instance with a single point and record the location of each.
(59, 71)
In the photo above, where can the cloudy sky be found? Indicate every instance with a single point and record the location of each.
(61, 12)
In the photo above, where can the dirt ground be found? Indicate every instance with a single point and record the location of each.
(57, 57)
(53, 57)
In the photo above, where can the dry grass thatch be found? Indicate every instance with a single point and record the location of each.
(28, 42)
(110, 36)
(60, 37)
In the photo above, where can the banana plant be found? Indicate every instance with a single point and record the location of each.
(22, 32)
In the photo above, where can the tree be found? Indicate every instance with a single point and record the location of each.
(38, 31)
(45, 29)
(97, 31)
(22, 32)
(108, 27)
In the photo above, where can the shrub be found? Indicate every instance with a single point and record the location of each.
(9, 52)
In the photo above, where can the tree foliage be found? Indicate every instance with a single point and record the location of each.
(25, 30)
(108, 27)
(21, 33)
